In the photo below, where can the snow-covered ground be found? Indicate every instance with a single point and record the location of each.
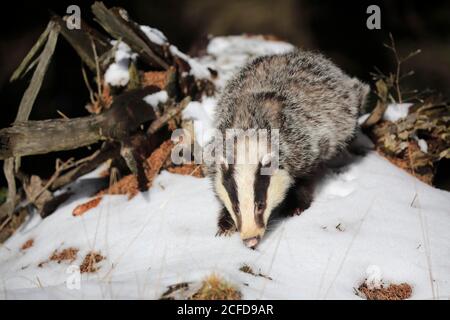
(367, 216)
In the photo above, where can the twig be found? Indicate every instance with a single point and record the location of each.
(19, 72)
(97, 69)
(86, 81)
(161, 121)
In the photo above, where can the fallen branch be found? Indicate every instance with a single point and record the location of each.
(81, 41)
(112, 21)
(86, 165)
(26, 104)
(161, 121)
(127, 112)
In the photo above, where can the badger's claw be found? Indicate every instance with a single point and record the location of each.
(296, 212)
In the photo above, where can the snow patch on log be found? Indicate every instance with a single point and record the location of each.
(117, 73)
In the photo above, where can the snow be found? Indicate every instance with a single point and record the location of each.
(374, 277)
(117, 73)
(396, 111)
(363, 118)
(198, 70)
(202, 114)
(228, 54)
(369, 221)
(166, 236)
(154, 35)
(156, 98)
(422, 145)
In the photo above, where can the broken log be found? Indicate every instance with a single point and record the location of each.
(127, 112)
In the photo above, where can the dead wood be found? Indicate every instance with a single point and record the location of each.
(127, 112)
(81, 40)
(112, 20)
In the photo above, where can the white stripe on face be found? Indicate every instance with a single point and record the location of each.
(280, 183)
(245, 179)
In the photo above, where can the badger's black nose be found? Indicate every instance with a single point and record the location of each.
(252, 242)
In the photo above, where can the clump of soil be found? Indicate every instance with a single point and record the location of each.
(247, 269)
(66, 255)
(392, 292)
(215, 288)
(27, 245)
(82, 208)
(188, 170)
(90, 262)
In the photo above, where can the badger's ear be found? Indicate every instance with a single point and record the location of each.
(362, 90)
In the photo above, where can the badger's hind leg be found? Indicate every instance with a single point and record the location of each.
(226, 226)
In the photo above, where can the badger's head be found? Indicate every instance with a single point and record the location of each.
(250, 188)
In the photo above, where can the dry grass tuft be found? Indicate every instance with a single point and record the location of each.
(90, 262)
(247, 269)
(215, 288)
(66, 255)
(392, 292)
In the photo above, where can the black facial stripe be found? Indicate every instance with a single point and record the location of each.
(260, 188)
(230, 186)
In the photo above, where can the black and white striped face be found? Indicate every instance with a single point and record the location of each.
(250, 196)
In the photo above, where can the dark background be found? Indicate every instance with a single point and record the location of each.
(336, 28)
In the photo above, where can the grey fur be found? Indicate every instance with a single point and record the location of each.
(311, 101)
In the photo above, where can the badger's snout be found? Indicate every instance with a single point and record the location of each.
(252, 242)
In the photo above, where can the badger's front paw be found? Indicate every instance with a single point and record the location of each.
(225, 224)
(296, 212)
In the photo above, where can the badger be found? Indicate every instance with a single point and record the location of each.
(312, 104)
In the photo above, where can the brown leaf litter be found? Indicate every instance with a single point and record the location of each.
(82, 208)
(66, 255)
(129, 185)
(190, 169)
(398, 141)
(90, 262)
(155, 78)
(27, 244)
(392, 292)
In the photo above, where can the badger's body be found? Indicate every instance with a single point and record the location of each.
(312, 103)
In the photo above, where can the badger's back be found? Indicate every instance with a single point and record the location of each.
(311, 101)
